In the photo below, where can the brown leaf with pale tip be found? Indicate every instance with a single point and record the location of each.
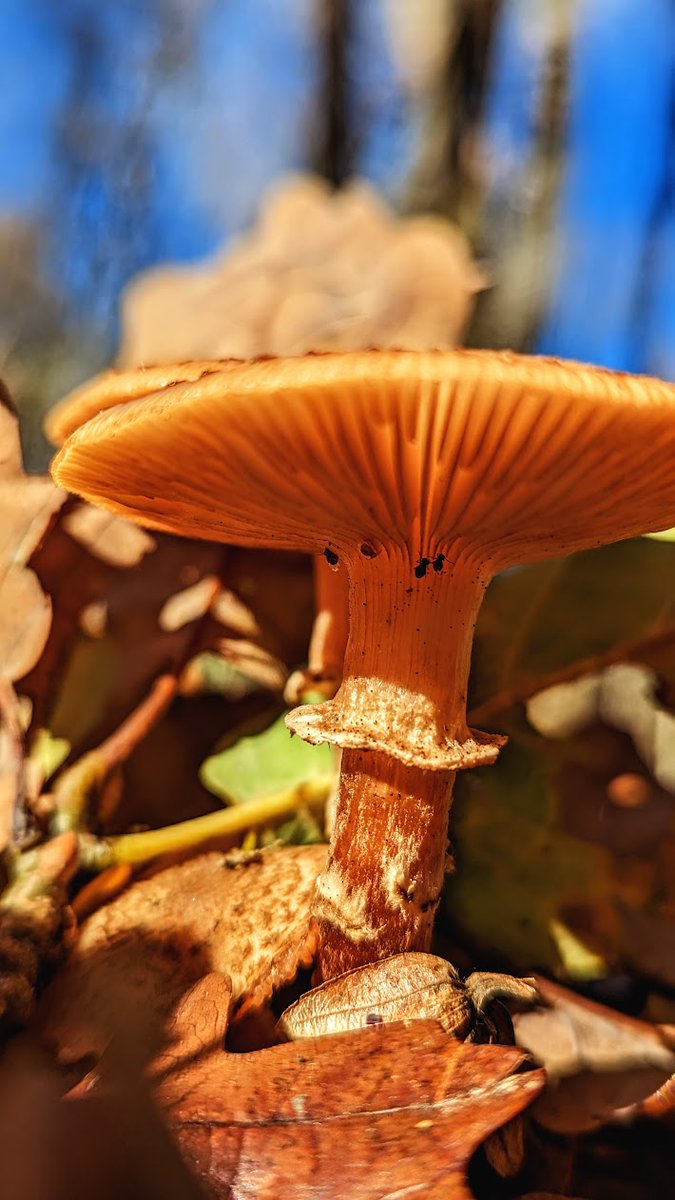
(26, 508)
(601, 1062)
(395, 1110)
(248, 920)
(26, 621)
(108, 537)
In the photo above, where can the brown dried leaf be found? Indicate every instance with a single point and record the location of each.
(599, 1061)
(390, 1111)
(189, 604)
(402, 987)
(26, 508)
(26, 621)
(247, 920)
(107, 536)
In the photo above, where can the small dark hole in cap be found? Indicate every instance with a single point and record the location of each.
(331, 557)
(374, 1019)
(367, 550)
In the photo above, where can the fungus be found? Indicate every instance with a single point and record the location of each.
(451, 466)
(119, 387)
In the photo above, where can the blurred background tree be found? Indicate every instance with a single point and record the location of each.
(148, 131)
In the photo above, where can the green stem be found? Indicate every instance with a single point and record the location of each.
(136, 848)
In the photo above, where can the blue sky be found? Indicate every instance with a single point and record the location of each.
(181, 134)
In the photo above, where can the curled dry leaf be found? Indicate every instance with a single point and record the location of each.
(320, 270)
(248, 920)
(27, 506)
(401, 987)
(108, 537)
(599, 1061)
(390, 1111)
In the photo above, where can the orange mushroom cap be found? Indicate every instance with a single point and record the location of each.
(517, 457)
(120, 387)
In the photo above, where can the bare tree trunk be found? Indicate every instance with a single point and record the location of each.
(334, 143)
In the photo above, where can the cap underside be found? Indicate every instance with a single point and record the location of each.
(522, 457)
(120, 387)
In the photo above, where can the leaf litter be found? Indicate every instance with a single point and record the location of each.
(106, 664)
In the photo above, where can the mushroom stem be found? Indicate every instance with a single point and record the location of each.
(380, 890)
(400, 716)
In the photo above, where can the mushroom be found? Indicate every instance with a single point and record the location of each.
(423, 474)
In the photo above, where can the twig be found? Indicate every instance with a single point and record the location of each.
(73, 788)
(335, 150)
(633, 651)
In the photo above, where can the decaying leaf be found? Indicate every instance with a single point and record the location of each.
(550, 866)
(519, 869)
(402, 987)
(27, 506)
(26, 621)
(558, 620)
(188, 605)
(623, 696)
(395, 1110)
(33, 922)
(598, 1062)
(248, 919)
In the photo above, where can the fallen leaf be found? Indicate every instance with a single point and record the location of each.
(598, 1061)
(271, 761)
(26, 621)
(247, 919)
(623, 696)
(110, 538)
(615, 603)
(408, 986)
(520, 870)
(27, 506)
(396, 1110)
(188, 605)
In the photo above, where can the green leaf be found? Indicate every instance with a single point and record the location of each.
(519, 874)
(272, 761)
(542, 619)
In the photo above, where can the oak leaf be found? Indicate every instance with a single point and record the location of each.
(394, 1110)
